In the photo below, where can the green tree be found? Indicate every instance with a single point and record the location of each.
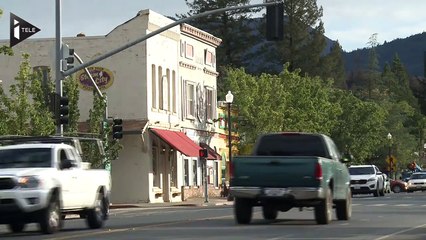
(72, 92)
(20, 108)
(303, 37)
(5, 49)
(99, 127)
(333, 66)
(284, 102)
(360, 126)
(22, 115)
(402, 89)
(41, 115)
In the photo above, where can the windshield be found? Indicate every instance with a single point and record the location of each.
(361, 170)
(418, 176)
(25, 158)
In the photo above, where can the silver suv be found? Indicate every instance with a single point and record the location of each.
(367, 179)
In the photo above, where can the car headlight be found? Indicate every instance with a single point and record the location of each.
(371, 179)
(29, 182)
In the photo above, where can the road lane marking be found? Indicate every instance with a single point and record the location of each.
(377, 205)
(403, 205)
(399, 232)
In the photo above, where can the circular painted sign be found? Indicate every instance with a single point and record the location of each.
(103, 78)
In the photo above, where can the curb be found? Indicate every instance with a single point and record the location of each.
(165, 205)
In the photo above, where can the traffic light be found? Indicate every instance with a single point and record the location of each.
(63, 110)
(117, 128)
(67, 57)
(275, 22)
(203, 153)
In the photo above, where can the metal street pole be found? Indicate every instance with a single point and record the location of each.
(229, 138)
(206, 191)
(58, 73)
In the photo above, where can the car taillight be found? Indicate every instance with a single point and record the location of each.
(318, 171)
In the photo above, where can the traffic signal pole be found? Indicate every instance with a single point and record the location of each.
(58, 73)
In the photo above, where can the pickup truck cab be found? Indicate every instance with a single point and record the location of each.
(42, 183)
(367, 179)
(289, 170)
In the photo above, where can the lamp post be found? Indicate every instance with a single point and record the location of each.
(389, 137)
(229, 98)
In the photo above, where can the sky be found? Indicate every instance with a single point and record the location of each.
(351, 22)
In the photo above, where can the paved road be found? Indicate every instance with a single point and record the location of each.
(395, 216)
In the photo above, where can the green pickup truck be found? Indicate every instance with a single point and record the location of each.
(291, 169)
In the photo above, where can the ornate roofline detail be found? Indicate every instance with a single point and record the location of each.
(193, 31)
(209, 72)
(187, 65)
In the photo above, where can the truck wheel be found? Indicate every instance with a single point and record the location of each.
(51, 217)
(344, 207)
(269, 212)
(16, 227)
(243, 210)
(324, 209)
(97, 215)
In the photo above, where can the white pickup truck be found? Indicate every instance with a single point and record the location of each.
(43, 182)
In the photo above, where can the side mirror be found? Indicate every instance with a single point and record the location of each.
(379, 173)
(66, 164)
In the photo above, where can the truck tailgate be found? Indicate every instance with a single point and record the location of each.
(275, 171)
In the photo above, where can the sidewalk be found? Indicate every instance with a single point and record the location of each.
(192, 202)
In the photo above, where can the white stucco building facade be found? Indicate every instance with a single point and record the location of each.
(165, 91)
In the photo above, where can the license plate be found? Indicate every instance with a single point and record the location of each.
(275, 192)
(357, 187)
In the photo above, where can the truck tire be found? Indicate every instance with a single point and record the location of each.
(344, 207)
(51, 217)
(323, 211)
(97, 215)
(16, 227)
(269, 212)
(243, 210)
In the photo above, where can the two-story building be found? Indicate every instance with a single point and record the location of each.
(165, 91)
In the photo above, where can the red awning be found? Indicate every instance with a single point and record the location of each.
(212, 154)
(178, 141)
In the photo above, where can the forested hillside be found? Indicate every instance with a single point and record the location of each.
(410, 50)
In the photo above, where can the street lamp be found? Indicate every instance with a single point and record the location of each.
(229, 98)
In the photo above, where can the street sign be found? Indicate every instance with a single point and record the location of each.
(391, 159)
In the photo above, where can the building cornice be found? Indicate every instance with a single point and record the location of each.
(195, 32)
(187, 65)
(210, 72)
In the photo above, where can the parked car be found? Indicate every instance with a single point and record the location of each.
(417, 182)
(367, 179)
(398, 185)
